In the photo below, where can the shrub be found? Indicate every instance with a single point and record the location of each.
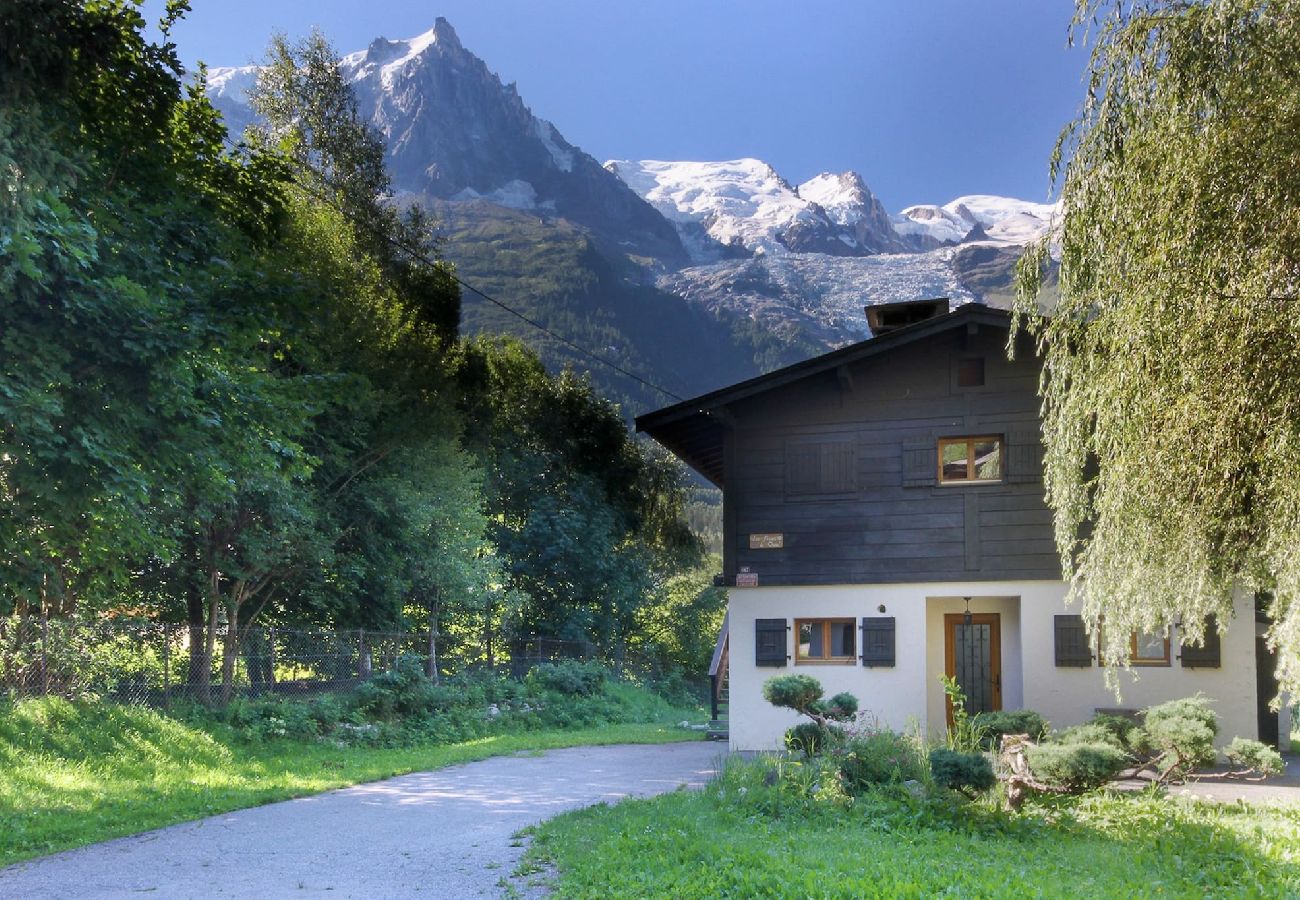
(402, 691)
(1012, 721)
(1182, 732)
(808, 738)
(1254, 756)
(1123, 729)
(569, 677)
(879, 757)
(1088, 733)
(842, 707)
(964, 734)
(1076, 767)
(797, 692)
(956, 770)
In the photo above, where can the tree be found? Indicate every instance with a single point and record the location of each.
(1170, 392)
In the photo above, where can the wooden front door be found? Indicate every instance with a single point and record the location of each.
(973, 655)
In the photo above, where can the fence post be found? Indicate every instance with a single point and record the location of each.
(45, 652)
(270, 673)
(167, 661)
(363, 660)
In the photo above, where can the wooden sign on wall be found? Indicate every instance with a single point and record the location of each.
(766, 541)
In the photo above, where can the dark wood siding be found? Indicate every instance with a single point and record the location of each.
(888, 520)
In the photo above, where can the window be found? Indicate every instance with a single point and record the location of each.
(970, 372)
(825, 640)
(966, 459)
(1150, 648)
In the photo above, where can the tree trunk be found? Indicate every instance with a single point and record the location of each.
(432, 668)
(196, 676)
(213, 601)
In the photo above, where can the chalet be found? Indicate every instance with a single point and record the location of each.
(884, 523)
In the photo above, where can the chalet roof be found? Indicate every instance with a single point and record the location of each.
(694, 429)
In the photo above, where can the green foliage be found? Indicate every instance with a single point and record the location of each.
(569, 677)
(1077, 767)
(808, 738)
(1014, 721)
(234, 390)
(1088, 733)
(796, 692)
(1254, 756)
(1172, 352)
(842, 707)
(967, 773)
(964, 735)
(879, 757)
(1182, 732)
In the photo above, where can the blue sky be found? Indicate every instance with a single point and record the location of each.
(927, 100)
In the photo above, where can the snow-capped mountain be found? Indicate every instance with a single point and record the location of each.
(1001, 220)
(742, 206)
(455, 132)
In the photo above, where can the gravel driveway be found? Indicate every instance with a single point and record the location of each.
(445, 833)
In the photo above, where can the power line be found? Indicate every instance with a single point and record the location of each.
(419, 254)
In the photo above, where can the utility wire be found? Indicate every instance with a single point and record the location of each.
(419, 254)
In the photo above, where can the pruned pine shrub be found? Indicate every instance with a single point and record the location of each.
(1076, 767)
(1252, 756)
(966, 773)
(1088, 733)
(1009, 721)
(1182, 733)
(796, 692)
(842, 707)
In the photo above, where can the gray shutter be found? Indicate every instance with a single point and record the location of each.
(1207, 656)
(1072, 647)
(920, 463)
(839, 463)
(878, 641)
(1024, 456)
(769, 642)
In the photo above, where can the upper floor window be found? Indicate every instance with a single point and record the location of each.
(963, 460)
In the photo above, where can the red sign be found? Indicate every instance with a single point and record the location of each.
(747, 579)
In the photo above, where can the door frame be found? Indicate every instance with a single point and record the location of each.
(995, 651)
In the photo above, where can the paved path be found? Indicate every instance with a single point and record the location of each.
(1284, 788)
(445, 833)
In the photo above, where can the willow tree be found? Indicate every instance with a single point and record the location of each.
(1171, 385)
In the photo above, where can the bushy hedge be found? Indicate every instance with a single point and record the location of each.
(1253, 756)
(967, 773)
(1077, 767)
(1182, 733)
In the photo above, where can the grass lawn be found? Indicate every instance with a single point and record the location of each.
(72, 774)
(726, 842)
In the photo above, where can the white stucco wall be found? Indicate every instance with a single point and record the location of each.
(909, 695)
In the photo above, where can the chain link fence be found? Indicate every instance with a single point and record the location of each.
(152, 663)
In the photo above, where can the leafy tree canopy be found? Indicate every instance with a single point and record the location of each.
(1170, 390)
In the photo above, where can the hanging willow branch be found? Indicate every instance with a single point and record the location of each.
(1171, 380)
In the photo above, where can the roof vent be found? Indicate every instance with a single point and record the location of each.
(886, 317)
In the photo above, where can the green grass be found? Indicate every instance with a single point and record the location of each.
(72, 774)
(723, 843)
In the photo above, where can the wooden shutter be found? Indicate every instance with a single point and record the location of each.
(920, 463)
(769, 642)
(1024, 456)
(1072, 646)
(839, 463)
(1204, 657)
(878, 641)
(803, 466)
(821, 467)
